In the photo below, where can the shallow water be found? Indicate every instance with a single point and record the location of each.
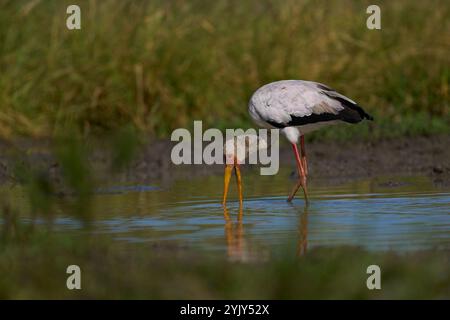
(386, 213)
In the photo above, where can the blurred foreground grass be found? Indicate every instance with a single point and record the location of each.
(34, 266)
(158, 65)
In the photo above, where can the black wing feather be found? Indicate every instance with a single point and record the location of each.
(352, 112)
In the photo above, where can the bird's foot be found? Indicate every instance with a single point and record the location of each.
(300, 183)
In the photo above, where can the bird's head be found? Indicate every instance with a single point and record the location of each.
(236, 150)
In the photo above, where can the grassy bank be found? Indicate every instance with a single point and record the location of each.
(158, 65)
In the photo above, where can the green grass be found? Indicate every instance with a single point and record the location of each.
(159, 65)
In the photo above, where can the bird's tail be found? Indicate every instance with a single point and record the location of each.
(368, 116)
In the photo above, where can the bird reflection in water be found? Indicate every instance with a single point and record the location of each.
(239, 249)
(302, 243)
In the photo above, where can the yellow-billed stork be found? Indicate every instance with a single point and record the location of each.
(296, 107)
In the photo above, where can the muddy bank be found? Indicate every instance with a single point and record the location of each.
(428, 156)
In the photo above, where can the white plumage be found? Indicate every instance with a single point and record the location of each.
(304, 105)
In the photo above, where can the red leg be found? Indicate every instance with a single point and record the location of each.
(298, 160)
(302, 177)
(302, 147)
